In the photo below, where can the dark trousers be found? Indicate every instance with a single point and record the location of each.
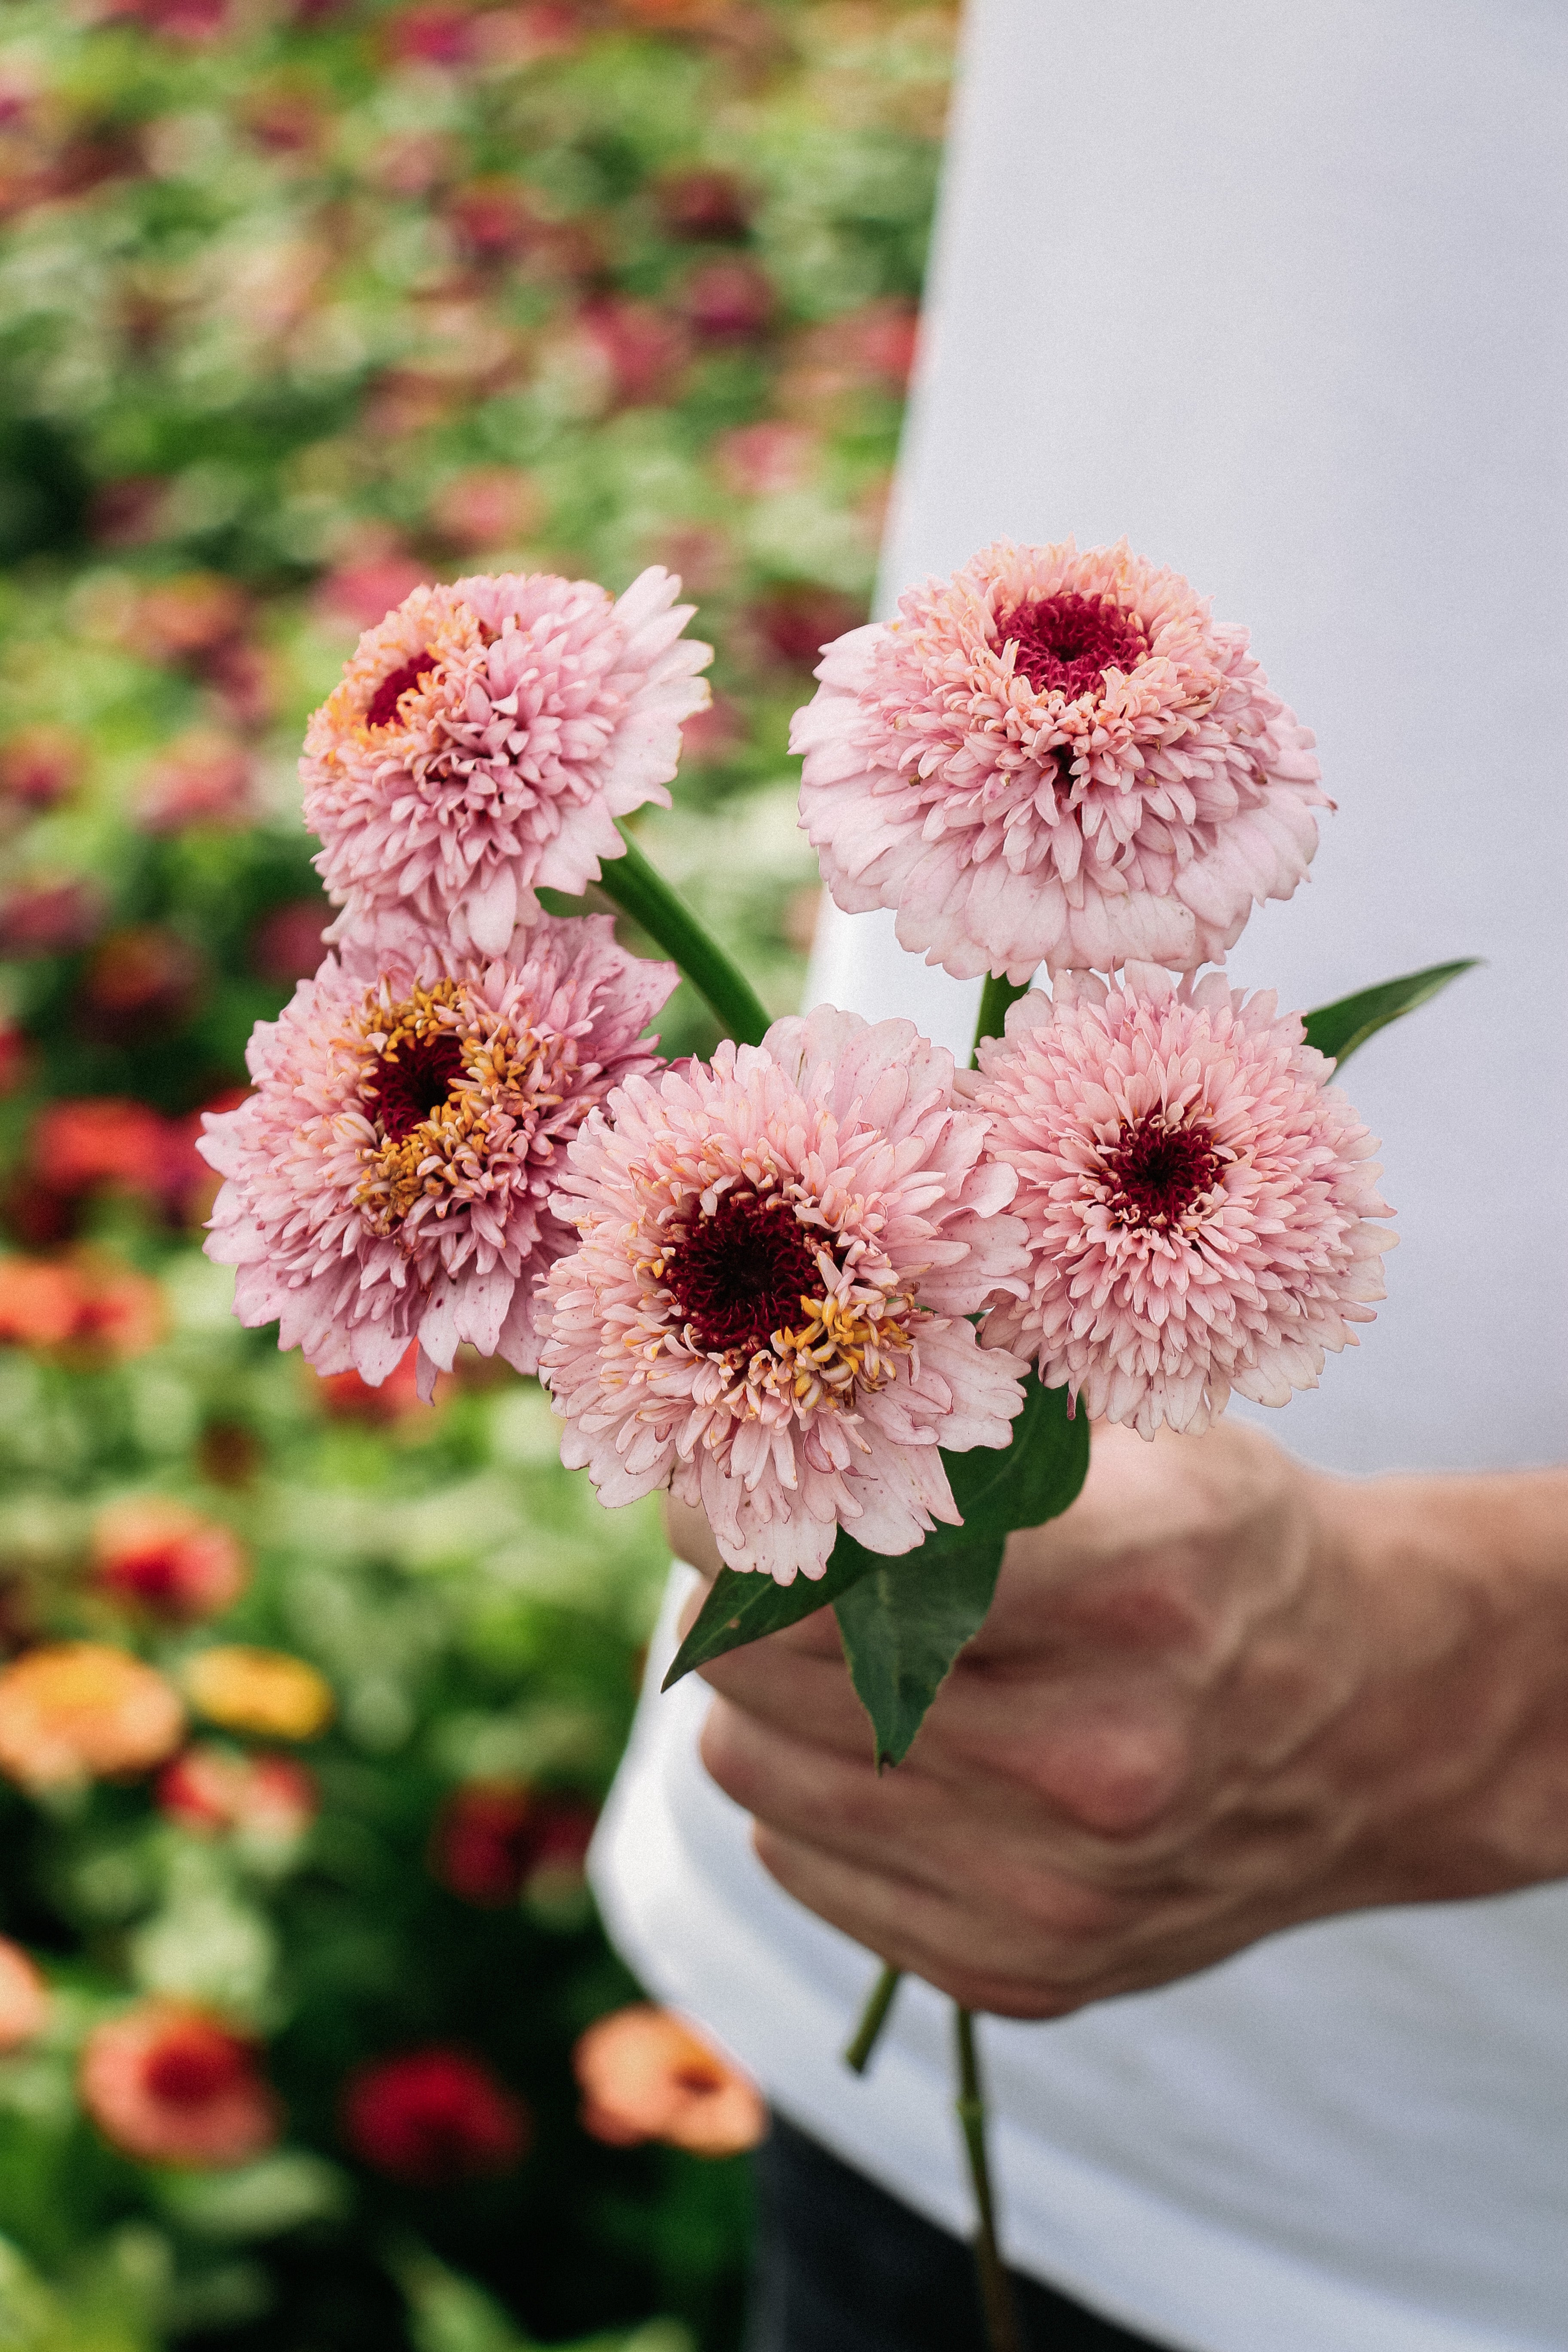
(844, 2267)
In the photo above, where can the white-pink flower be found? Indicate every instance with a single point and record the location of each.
(484, 740)
(389, 1178)
(1199, 1200)
(1058, 758)
(766, 1308)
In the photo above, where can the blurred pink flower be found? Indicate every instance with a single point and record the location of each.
(485, 507)
(287, 943)
(1055, 759)
(757, 460)
(484, 740)
(201, 778)
(168, 2083)
(365, 586)
(766, 1310)
(388, 1180)
(49, 918)
(641, 346)
(730, 301)
(1197, 1197)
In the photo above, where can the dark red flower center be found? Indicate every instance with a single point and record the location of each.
(738, 1275)
(383, 711)
(408, 1088)
(1159, 1172)
(194, 2064)
(1068, 641)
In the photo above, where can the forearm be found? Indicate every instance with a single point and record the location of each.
(1458, 1748)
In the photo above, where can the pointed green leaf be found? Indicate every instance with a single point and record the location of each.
(904, 1623)
(1338, 1029)
(742, 1609)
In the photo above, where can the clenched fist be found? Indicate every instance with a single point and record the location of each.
(1222, 1694)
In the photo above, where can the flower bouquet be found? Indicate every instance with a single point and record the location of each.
(859, 1306)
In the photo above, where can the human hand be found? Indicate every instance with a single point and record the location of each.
(1221, 1696)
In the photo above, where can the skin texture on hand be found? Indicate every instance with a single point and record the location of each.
(1222, 1695)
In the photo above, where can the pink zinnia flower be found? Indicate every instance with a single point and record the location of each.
(1055, 759)
(171, 2084)
(1197, 1197)
(484, 740)
(765, 1312)
(388, 1179)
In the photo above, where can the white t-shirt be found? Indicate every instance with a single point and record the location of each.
(1280, 293)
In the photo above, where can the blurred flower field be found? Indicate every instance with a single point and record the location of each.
(308, 2040)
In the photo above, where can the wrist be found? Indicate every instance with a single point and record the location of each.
(1455, 1752)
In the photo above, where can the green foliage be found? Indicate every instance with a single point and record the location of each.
(299, 306)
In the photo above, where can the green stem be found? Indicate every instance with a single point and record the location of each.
(995, 2287)
(873, 2017)
(994, 998)
(643, 893)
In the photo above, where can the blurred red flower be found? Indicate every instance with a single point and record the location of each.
(728, 301)
(39, 765)
(755, 460)
(139, 982)
(491, 220)
(495, 1839)
(174, 20)
(15, 1057)
(642, 345)
(701, 205)
(434, 2118)
(168, 2083)
(161, 1556)
(286, 944)
(432, 34)
(347, 1397)
(268, 1799)
(797, 619)
(99, 1140)
(92, 1303)
(41, 919)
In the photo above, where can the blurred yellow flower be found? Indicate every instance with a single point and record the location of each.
(262, 1691)
(73, 1711)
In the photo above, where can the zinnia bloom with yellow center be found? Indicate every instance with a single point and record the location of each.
(1058, 758)
(168, 2083)
(766, 1309)
(484, 740)
(1199, 1200)
(389, 1178)
(75, 1711)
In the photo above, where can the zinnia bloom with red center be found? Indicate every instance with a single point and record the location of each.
(1198, 1199)
(171, 2084)
(168, 1560)
(644, 2075)
(494, 1838)
(1055, 759)
(434, 2118)
(388, 1179)
(766, 1309)
(485, 737)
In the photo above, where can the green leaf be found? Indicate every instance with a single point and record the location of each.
(903, 1625)
(997, 1489)
(1338, 1029)
(742, 1609)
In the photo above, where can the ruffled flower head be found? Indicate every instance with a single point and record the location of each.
(485, 737)
(388, 1180)
(1055, 759)
(1198, 1199)
(765, 1311)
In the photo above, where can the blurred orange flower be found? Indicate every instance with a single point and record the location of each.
(171, 2084)
(265, 1692)
(23, 1997)
(39, 1302)
(645, 2074)
(40, 764)
(92, 1140)
(118, 1313)
(167, 1558)
(73, 1711)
